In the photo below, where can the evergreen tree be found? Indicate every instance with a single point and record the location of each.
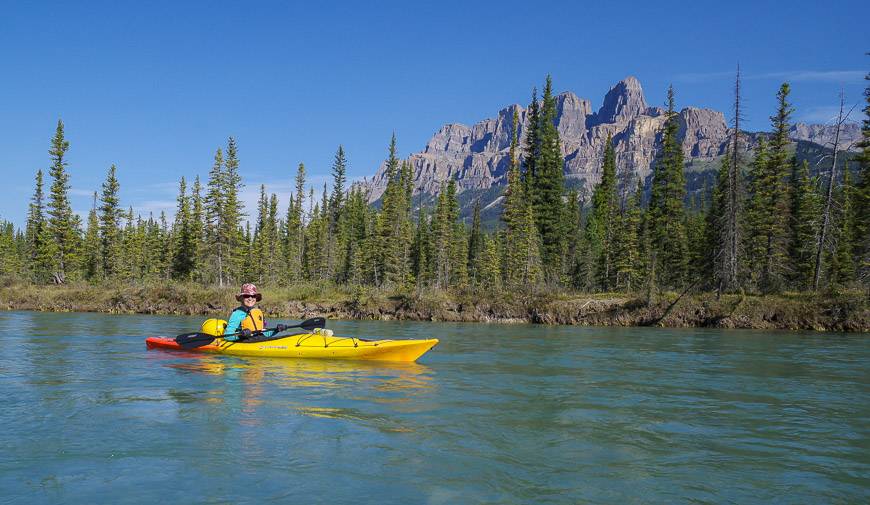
(489, 269)
(769, 202)
(842, 264)
(861, 198)
(215, 220)
(197, 230)
(233, 211)
(666, 211)
(10, 259)
(40, 254)
(533, 145)
(393, 224)
(626, 247)
(803, 212)
(110, 222)
(475, 244)
(61, 221)
(521, 258)
(339, 168)
(549, 188)
(184, 240)
(293, 237)
(92, 246)
(602, 225)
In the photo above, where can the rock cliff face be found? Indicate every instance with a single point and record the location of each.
(477, 157)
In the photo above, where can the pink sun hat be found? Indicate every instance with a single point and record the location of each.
(249, 290)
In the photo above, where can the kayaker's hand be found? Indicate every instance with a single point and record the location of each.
(244, 334)
(279, 328)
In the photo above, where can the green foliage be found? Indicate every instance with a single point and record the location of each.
(768, 206)
(603, 224)
(804, 210)
(667, 218)
(62, 224)
(110, 221)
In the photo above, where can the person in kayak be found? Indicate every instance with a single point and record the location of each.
(248, 316)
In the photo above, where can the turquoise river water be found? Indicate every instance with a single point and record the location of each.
(494, 414)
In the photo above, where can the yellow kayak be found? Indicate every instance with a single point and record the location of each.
(311, 345)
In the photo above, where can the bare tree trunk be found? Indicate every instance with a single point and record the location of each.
(826, 216)
(732, 226)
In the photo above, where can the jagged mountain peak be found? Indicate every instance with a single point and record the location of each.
(622, 103)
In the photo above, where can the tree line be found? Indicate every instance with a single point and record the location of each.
(767, 226)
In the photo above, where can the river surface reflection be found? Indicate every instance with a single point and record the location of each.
(494, 414)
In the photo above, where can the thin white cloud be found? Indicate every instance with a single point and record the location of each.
(813, 75)
(823, 115)
(790, 76)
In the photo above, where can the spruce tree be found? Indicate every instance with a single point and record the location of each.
(602, 225)
(626, 248)
(803, 212)
(61, 222)
(92, 247)
(184, 240)
(339, 169)
(533, 144)
(489, 269)
(233, 211)
(842, 264)
(110, 222)
(771, 200)
(666, 210)
(861, 198)
(549, 188)
(40, 254)
(215, 218)
(197, 229)
(475, 244)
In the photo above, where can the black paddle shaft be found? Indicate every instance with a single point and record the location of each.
(198, 339)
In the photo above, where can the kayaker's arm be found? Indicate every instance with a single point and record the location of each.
(233, 324)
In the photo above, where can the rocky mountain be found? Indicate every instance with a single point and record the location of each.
(477, 157)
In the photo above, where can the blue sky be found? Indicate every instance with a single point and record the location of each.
(157, 87)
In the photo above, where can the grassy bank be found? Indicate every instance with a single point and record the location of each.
(833, 312)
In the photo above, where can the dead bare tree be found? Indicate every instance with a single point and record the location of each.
(727, 255)
(829, 197)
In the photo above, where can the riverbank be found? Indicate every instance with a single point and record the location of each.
(821, 312)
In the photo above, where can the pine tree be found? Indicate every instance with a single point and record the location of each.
(489, 270)
(627, 262)
(666, 211)
(92, 247)
(861, 198)
(532, 147)
(215, 221)
(184, 240)
(842, 264)
(549, 188)
(197, 230)
(110, 222)
(803, 212)
(233, 211)
(40, 254)
(393, 223)
(294, 238)
(521, 258)
(475, 244)
(339, 168)
(769, 201)
(10, 260)
(602, 225)
(61, 222)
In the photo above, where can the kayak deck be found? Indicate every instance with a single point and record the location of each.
(311, 345)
